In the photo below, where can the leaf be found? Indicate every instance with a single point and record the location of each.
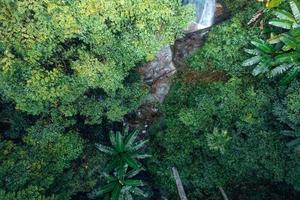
(280, 69)
(252, 51)
(285, 24)
(295, 32)
(285, 15)
(273, 3)
(260, 69)
(131, 138)
(295, 9)
(105, 189)
(291, 75)
(105, 149)
(261, 45)
(119, 142)
(134, 172)
(139, 192)
(289, 41)
(141, 156)
(139, 145)
(134, 183)
(291, 57)
(109, 177)
(274, 39)
(131, 161)
(251, 61)
(116, 192)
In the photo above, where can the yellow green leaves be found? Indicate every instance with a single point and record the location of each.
(272, 3)
(65, 51)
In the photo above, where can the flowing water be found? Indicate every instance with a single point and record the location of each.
(205, 13)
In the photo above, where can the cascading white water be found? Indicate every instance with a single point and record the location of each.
(205, 12)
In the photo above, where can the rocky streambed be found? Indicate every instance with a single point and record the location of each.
(158, 74)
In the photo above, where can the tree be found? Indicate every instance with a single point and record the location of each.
(69, 56)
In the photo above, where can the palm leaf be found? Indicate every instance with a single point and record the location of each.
(131, 138)
(115, 195)
(109, 177)
(119, 142)
(289, 41)
(251, 61)
(291, 75)
(260, 69)
(254, 52)
(295, 9)
(273, 3)
(131, 161)
(274, 39)
(285, 15)
(139, 145)
(134, 172)
(105, 149)
(280, 69)
(287, 57)
(105, 189)
(261, 45)
(295, 32)
(141, 156)
(139, 192)
(281, 23)
(134, 183)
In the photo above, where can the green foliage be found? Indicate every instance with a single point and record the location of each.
(72, 55)
(205, 157)
(124, 153)
(42, 158)
(224, 43)
(125, 149)
(280, 54)
(287, 111)
(121, 186)
(226, 132)
(31, 193)
(238, 5)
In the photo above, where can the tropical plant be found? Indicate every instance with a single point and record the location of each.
(124, 149)
(280, 54)
(271, 3)
(121, 185)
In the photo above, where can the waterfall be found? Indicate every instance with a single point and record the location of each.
(205, 12)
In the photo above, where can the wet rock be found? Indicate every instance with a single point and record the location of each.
(162, 66)
(160, 89)
(157, 74)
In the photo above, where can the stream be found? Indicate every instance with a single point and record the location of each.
(158, 74)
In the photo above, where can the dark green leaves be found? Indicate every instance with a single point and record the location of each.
(124, 153)
(280, 54)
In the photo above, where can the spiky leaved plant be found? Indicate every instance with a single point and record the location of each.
(281, 53)
(125, 149)
(121, 185)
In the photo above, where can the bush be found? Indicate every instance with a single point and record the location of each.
(225, 43)
(68, 55)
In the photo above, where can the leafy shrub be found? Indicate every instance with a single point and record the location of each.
(280, 54)
(45, 154)
(225, 43)
(69, 55)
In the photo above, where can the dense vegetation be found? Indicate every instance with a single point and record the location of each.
(223, 127)
(68, 79)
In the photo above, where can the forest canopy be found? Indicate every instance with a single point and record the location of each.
(72, 100)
